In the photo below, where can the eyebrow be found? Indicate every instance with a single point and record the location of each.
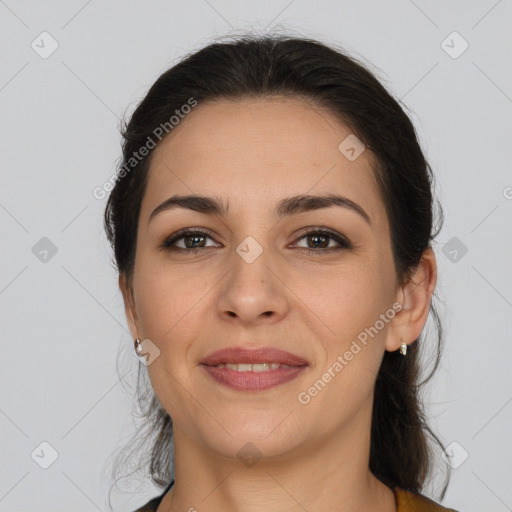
(289, 206)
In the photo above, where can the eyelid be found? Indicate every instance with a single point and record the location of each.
(341, 239)
(174, 237)
(343, 242)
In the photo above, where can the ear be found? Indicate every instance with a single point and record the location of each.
(415, 297)
(129, 305)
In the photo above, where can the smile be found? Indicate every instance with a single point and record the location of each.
(257, 367)
(253, 377)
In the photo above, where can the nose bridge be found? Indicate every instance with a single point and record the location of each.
(251, 289)
(250, 264)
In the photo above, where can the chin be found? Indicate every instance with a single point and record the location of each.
(267, 436)
(249, 447)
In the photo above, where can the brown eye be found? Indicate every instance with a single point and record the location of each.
(193, 241)
(320, 241)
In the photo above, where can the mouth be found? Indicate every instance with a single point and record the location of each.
(253, 369)
(257, 367)
(253, 356)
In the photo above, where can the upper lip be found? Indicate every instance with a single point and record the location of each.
(252, 356)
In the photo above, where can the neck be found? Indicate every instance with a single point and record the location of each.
(329, 474)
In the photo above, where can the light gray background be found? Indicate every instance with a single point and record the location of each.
(62, 320)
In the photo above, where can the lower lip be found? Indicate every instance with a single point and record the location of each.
(253, 381)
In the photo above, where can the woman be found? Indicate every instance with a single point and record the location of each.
(272, 225)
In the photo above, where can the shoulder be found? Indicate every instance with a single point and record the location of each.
(412, 502)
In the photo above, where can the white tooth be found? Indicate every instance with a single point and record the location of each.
(256, 367)
(260, 367)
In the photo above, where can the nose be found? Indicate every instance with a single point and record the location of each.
(253, 292)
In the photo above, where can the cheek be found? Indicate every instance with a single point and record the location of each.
(346, 305)
(169, 305)
(344, 300)
(169, 301)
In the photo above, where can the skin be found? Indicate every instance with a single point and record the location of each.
(254, 152)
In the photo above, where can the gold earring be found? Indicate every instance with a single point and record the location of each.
(403, 347)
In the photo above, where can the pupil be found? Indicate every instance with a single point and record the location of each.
(318, 241)
(195, 238)
(316, 238)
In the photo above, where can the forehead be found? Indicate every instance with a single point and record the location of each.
(255, 151)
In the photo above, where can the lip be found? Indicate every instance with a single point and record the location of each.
(253, 381)
(250, 380)
(252, 356)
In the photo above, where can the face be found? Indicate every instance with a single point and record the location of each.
(308, 281)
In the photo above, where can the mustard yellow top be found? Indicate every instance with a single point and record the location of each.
(409, 502)
(406, 502)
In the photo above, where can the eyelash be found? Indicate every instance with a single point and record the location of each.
(167, 244)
